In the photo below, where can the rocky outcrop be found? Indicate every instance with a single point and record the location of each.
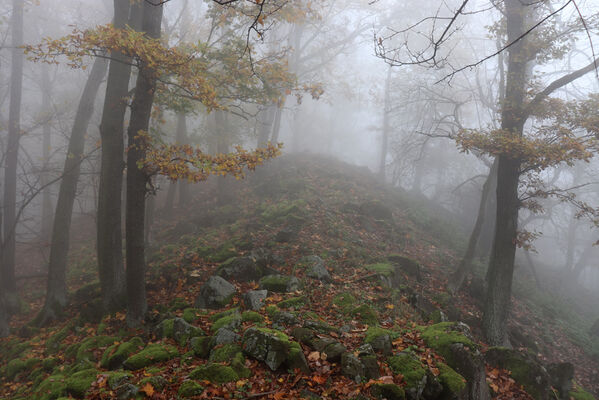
(216, 293)
(274, 348)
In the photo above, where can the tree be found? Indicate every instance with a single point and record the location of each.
(56, 292)
(9, 286)
(109, 235)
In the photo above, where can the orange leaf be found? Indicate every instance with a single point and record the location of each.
(148, 389)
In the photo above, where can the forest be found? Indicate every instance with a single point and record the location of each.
(295, 199)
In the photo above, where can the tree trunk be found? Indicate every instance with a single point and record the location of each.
(56, 294)
(457, 278)
(266, 125)
(385, 137)
(46, 226)
(501, 265)
(182, 139)
(7, 279)
(277, 124)
(222, 147)
(4, 328)
(137, 179)
(149, 219)
(109, 235)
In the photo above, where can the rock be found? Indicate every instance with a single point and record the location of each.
(376, 210)
(265, 258)
(225, 336)
(407, 265)
(215, 373)
(178, 329)
(279, 283)
(274, 348)
(352, 367)
(254, 299)
(469, 363)
(79, 383)
(215, 293)
(285, 318)
(388, 391)
(561, 376)
(371, 366)
(230, 321)
(126, 391)
(190, 389)
(315, 268)
(115, 355)
(240, 269)
(201, 346)
(379, 339)
(152, 354)
(526, 370)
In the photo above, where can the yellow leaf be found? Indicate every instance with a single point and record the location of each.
(148, 389)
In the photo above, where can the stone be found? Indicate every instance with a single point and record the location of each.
(561, 377)
(388, 391)
(126, 391)
(274, 348)
(254, 299)
(225, 336)
(352, 367)
(240, 269)
(215, 293)
(315, 268)
(178, 329)
(279, 283)
(285, 318)
(469, 363)
(407, 265)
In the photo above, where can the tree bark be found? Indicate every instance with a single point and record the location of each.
(109, 235)
(46, 226)
(182, 139)
(56, 293)
(8, 281)
(385, 137)
(4, 327)
(137, 179)
(457, 278)
(277, 124)
(501, 265)
(266, 125)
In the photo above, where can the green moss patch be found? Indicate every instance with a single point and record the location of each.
(251, 316)
(190, 315)
(89, 348)
(345, 301)
(231, 322)
(200, 346)
(80, 382)
(115, 355)
(224, 353)
(190, 389)
(215, 373)
(152, 354)
(18, 366)
(409, 367)
(441, 336)
(51, 388)
(294, 302)
(452, 382)
(365, 314)
(374, 332)
(387, 391)
(385, 269)
(579, 393)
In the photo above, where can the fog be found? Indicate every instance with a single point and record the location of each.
(387, 85)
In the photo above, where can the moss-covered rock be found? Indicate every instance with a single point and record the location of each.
(215, 373)
(152, 354)
(453, 383)
(409, 367)
(190, 315)
(365, 314)
(274, 348)
(54, 341)
(115, 355)
(279, 283)
(251, 316)
(80, 382)
(18, 366)
(294, 302)
(387, 391)
(190, 389)
(385, 269)
(51, 388)
(380, 339)
(116, 378)
(178, 329)
(158, 382)
(178, 303)
(92, 348)
(224, 353)
(200, 346)
(578, 393)
(345, 301)
(231, 322)
(441, 336)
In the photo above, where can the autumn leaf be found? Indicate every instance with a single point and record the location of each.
(148, 389)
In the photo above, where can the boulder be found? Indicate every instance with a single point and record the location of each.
(178, 329)
(225, 336)
(240, 269)
(254, 299)
(279, 283)
(274, 348)
(315, 268)
(561, 376)
(407, 265)
(352, 367)
(215, 293)
(526, 370)
(469, 363)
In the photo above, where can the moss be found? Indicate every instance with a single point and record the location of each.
(88, 347)
(51, 388)
(215, 373)
(251, 316)
(231, 322)
(345, 301)
(54, 341)
(579, 393)
(238, 365)
(450, 379)
(410, 368)
(117, 378)
(18, 366)
(200, 346)
(222, 253)
(71, 350)
(167, 328)
(48, 364)
(387, 391)
(271, 310)
(275, 283)
(152, 354)
(373, 332)
(191, 315)
(365, 314)
(116, 354)
(441, 336)
(276, 212)
(101, 328)
(190, 389)
(294, 302)
(158, 382)
(80, 382)
(178, 303)
(224, 353)
(222, 314)
(385, 269)
(12, 349)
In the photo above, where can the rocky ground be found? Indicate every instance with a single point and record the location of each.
(308, 280)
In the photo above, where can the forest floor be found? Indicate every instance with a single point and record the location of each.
(387, 256)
